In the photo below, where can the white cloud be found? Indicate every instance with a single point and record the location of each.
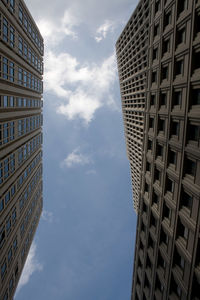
(32, 265)
(76, 158)
(47, 216)
(54, 31)
(103, 30)
(84, 87)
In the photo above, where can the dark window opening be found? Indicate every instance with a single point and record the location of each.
(181, 36)
(163, 99)
(179, 67)
(175, 128)
(172, 157)
(169, 185)
(186, 200)
(194, 132)
(166, 46)
(177, 98)
(190, 167)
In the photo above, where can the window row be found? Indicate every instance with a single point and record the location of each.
(10, 163)
(30, 29)
(27, 193)
(13, 102)
(14, 73)
(30, 211)
(8, 196)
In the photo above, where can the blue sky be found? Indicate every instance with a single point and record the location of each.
(84, 245)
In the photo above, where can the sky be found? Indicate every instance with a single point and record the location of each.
(84, 245)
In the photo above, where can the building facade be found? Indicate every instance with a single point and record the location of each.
(167, 261)
(132, 52)
(21, 69)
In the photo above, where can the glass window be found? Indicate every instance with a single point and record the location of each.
(12, 36)
(1, 205)
(11, 71)
(11, 101)
(5, 68)
(20, 14)
(20, 45)
(7, 197)
(5, 101)
(5, 30)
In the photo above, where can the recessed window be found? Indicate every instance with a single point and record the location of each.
(167, 212)
(151, 122)
(161, 262)
(169, 185)
(179, 260)
(157, 175)
(194, 132)
(195, 97)
(166, 46)
(155, 197)
(186, 200)
(153, 221)
(182, 5)
(159, 150)
(164, 237)
(181, 36)
(164, 73)
(153, 99)
(161, 125)
(148, 166)
(172, 157)
(183, 231)
(196, 60)
(157, 6)
(163, 99)
(151, 242)
(177, 97)
(167, 19)
(190, 167)
(155, 53)
(156, 30)
(175, 128)
(158, 285)
(154, 76)
(150, 144)
(179, 67)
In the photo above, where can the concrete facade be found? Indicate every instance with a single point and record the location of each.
(167, 263)
(21, 69)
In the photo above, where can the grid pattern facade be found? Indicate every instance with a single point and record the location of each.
(21, 69)
(131, 48)
(167, 262)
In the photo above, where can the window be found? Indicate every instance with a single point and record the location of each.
(20, 14)
(180, 36)
(163, 99)
(1, 205)
(175, 128)
(157, 174)
(172, 157)
(159, 150)
(167, 18)
(8, 226)
(167, 212)
(150, 144)
(11, 71)
(190, 167)
(182, 5)
(148, 166)
(157, 6)
(182, 231)
(11, 284)
(195, 97)
(177, 98)
(3, 269)
(161, 262)
(156, 30)
(154, 76)
(161, 125)
(7, 197)
(179, 67)
(2, 236)
(5, 68)
(186, 200)
(164, 237)
(5, 30)
(179, 260)
(169, 185)
(155, 197)
(15, 244)
(153, 99)
(9, 254)
(151, 122)
(155, 53)
(194, 132)
(12, 36)
(164, 73)
(166, 46)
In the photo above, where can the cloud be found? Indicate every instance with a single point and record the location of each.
(55, 31)
(102, 31)
(76, 158)
(32, 265)
(47, 216)
(84, 87)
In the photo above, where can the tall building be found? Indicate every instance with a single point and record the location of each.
(21, 68)
(132, 52)
(167, 261)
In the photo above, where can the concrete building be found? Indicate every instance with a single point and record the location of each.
(21, 69)
(131, 48)
(167, 261)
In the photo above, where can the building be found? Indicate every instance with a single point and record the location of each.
(167, 261)
(132, 52)
(21, 68)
